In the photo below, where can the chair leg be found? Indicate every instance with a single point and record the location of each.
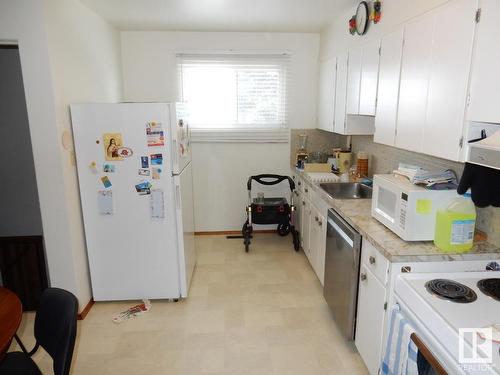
(23, 348)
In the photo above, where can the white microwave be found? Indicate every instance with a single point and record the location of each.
(407, 209)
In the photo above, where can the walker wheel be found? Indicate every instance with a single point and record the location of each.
(283, 229)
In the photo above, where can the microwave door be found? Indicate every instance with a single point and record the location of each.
(386, 204)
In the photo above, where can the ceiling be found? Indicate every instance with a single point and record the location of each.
(220, 15)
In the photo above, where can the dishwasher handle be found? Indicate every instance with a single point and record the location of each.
(339, 230)
(348, 233)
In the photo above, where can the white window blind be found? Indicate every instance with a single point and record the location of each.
(236, 97)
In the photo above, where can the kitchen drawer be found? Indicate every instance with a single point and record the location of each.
(318, 202)
(375, 261)
(306, 188)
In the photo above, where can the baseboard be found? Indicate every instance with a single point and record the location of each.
(86, 310)
(230, 232)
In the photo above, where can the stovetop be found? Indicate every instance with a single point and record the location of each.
(490, 287)
(443, 318)
(451, 290)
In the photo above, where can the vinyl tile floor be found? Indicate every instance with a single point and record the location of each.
(258, 313)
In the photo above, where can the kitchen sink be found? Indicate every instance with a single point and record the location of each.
(347, 190)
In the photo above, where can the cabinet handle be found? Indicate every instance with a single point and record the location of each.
(306, 190)
(300, 183)
(303, 203)
(320, 223)
(372, 260)
(315, 218)
(362, 276)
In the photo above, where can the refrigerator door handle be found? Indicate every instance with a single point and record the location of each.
(175, 151)
(178, 196)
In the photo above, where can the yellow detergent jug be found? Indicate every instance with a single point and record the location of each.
(455, 225)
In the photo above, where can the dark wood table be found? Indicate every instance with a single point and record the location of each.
(11, 313)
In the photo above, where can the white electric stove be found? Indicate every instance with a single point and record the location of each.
(438, 309)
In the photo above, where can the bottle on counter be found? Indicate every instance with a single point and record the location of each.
(362, 164)
(455, 225)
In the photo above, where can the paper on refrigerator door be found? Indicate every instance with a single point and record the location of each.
(105, 202)
(157, 204)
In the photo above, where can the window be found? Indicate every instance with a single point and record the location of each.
(240, 93)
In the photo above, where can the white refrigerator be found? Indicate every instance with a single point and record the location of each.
(136, 191)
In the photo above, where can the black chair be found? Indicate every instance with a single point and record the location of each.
(55, 331)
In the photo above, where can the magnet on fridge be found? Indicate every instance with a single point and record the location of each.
(156, 159)
(144, 162)
(106, 182)
(156, 173)
(105, 202)
(144, 172)
(108, 168)
(157, 204)
(93, 167)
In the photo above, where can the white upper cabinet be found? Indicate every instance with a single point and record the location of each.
(354, 81)
(340, 94)
(388, 88)
(369, 78)
(362, 79)
(434, 77)
(449, 77)
(326, 94)
(485, 79)
(414, 87)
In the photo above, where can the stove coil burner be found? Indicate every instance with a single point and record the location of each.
(451, 290)
(490, 287)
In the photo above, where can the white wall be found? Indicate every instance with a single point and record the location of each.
(222, 169)
(72, 29)
(336, 38)
(85, 61)
(150, 66)
(22, 22)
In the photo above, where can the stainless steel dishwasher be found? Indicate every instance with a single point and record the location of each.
(343, 251)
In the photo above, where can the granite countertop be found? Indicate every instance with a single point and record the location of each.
(357, 212)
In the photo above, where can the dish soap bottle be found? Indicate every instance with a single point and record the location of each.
(455, 225)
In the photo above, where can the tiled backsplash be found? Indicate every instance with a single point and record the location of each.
(317, 140)
(384, 159)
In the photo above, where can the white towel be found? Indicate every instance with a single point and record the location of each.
(401, 352)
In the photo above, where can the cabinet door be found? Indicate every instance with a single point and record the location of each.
(297, 201)
(314, 239)
(340, 94)
(306, 225)
(414, 83)
(388, 88)
(353, 81)
(449, 77)
(326, 94)
(321, 249)
(370, 319)
(369, 78)
(485, 79)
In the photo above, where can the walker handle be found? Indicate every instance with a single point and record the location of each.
(275, 179)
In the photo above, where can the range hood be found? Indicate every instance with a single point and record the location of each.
(486, 152)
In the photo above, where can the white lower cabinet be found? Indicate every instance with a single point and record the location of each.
(370, 319)
(373, 293)
(305, 221)
(318, 243)
(312, 228)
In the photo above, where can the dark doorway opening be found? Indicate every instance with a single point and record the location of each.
(22, 257)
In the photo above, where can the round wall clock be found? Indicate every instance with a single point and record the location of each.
(362, 18)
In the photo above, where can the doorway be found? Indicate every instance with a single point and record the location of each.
(22, 256)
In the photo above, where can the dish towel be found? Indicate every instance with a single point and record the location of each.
(401, 352)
